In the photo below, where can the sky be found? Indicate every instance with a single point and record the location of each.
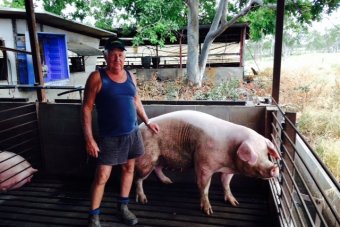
(328, 21)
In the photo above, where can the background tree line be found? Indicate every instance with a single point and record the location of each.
(158, 20)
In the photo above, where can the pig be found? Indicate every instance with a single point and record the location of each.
(195, 139)
(15, 171)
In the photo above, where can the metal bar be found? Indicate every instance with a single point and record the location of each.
(70, 91)
(14, 50)
(284, 196)
(316, 183)
(15, 175)
(12, 165)
(334, 181)
(298, 192)
(16, 108)
(18, 116)
(298, 212)
(286, 183)
(1, 161)
(20, 134)
(21, 143)
(300, 175)
(39, 87)
(18, 126)
(280, 11)
(311, 175)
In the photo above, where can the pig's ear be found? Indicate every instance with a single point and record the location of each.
(247, 154)
(272, 150)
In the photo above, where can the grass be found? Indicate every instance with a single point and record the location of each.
(310, 85)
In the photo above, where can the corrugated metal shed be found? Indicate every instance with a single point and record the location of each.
(56, 21)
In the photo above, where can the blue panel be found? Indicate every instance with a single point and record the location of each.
(25, 66)
(29, 61)
(55, 55)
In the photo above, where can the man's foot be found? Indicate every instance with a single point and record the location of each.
(94, 220)
(126, 215)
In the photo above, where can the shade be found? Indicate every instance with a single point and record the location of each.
(83, 49)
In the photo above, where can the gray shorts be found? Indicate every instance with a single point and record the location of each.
(115, 150)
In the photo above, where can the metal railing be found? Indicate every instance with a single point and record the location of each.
(68, 88)
(301, 196)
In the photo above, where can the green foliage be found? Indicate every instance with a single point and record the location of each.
(159, 20)
(14, 4)
(227, 90)
(55, 6)
(262, 22)
(156, 20)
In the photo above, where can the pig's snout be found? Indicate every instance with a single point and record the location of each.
(274, 172)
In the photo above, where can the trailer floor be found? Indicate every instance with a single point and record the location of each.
(54, 202)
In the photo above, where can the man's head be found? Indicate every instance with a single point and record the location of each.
(113, 43)
(114, 54)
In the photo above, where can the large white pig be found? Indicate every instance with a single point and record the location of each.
(191, 138)
(15, 171)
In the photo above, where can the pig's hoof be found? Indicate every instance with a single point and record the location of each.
(231, 200)
(167, 180)
(141, 199)
(208, 211)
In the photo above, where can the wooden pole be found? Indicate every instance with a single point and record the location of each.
(31, 23)
(278, 49)
(242, 41)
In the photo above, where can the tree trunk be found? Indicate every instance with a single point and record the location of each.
(196, 63)
(193, 43)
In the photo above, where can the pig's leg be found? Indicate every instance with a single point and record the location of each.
(228, 196)
(140, 195)
(143, 169)
(161, 175)
(203, 181)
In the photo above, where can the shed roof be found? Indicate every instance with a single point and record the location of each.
(230, 35)
(53, 20)
(82, 49)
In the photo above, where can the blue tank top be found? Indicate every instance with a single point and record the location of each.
(116, 110)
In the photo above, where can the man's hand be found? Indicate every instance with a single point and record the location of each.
(154, 127)
(92, 148)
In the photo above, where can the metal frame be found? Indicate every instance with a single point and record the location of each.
(290, 198)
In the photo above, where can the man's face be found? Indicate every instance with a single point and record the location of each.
(115, 59)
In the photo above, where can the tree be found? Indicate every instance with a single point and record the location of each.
(196, 62)
(158, 20)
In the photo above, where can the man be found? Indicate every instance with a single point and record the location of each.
(114, 91)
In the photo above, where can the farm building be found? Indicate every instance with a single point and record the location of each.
(69, 52)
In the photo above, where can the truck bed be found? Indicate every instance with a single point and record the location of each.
(65, 202)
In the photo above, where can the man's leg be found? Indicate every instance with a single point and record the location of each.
(126, 183)
(127, 177)
(97, 191)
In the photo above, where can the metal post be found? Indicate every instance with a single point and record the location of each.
(242, 41)
(280, 10)
(180, 51)
(35, 49)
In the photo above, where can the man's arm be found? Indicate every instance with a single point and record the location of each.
(92, 87)
(141, 112)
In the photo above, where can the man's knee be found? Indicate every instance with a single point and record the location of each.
(129, 167)
(101, 177)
